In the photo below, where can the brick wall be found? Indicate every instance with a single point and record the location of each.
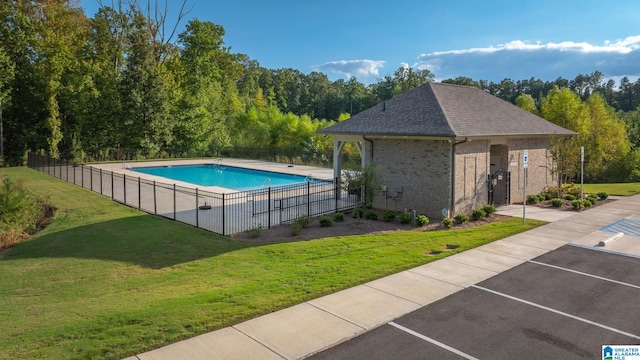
(540, 172)
(472, 167)
(420, 167)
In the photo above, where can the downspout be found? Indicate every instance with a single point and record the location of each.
(453, 173)
(371, 142)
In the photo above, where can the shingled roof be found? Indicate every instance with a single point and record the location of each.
(444, 110)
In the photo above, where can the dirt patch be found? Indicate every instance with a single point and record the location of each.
(350, 226)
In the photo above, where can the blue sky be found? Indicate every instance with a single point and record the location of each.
(489, 40)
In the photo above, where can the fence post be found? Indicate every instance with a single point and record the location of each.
(82, 174)
(91, 178)
(309, 199)
(223, 223)
(174, 201)
(336, 189)
(139, 195)
(124, 187)
(112, 187)
(197, 213)
(155, 206)
(100, 181)
(269, 208)
(67, 171)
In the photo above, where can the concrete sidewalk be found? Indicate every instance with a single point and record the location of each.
(313, 326)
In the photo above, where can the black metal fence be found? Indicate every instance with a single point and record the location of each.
(222, 213)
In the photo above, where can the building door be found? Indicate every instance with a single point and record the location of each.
(499, 176)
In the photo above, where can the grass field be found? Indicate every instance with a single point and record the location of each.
(105, 281)
(621, 189)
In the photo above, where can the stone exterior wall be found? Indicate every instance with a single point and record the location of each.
(420, 167)
(541, 169)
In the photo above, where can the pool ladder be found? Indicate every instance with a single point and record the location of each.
(217, 164)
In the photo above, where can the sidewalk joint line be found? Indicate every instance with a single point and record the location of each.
(258, 341)
(433, 341)
(394, 295)
(335, 315)
(557, 312)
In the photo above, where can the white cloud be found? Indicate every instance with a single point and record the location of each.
(520, 59)
(361, 69)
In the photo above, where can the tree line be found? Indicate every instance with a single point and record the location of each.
(125, 85)
(121, 86)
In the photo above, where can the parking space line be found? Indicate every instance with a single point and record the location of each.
(557, 312)
(585, 274)
(433, 341)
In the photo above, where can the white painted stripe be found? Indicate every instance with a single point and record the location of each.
(433, 341)
(586, 274)
(558, 312)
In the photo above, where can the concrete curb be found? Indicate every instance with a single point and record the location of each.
(610, 239)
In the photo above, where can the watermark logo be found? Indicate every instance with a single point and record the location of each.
(620, 352)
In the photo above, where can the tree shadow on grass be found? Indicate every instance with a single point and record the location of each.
(147, 241)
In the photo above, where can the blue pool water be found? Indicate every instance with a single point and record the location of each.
(225, 176)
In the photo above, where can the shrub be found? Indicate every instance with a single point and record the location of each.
(577, 204)
(357, 213)
(389, 215)
(557, 202)
(461, 218)
(338, 217)
(302, 220)
(546, 196)
(448, 222)
(587, 202)
(296, 229)
(405, 218)
(371, 215)
(552, 192)
(21, 213)
(422, 220)
(325, 221)
(603, 195)
(531, 199)
(489, 209)
(478, 214)
(572, 189)
(593, 198)
(570, 197)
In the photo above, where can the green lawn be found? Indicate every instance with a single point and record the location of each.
(622, 189)
(107, 281)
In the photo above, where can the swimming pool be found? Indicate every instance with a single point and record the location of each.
(224, 176)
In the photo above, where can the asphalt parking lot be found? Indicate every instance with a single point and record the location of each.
(565, 304)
